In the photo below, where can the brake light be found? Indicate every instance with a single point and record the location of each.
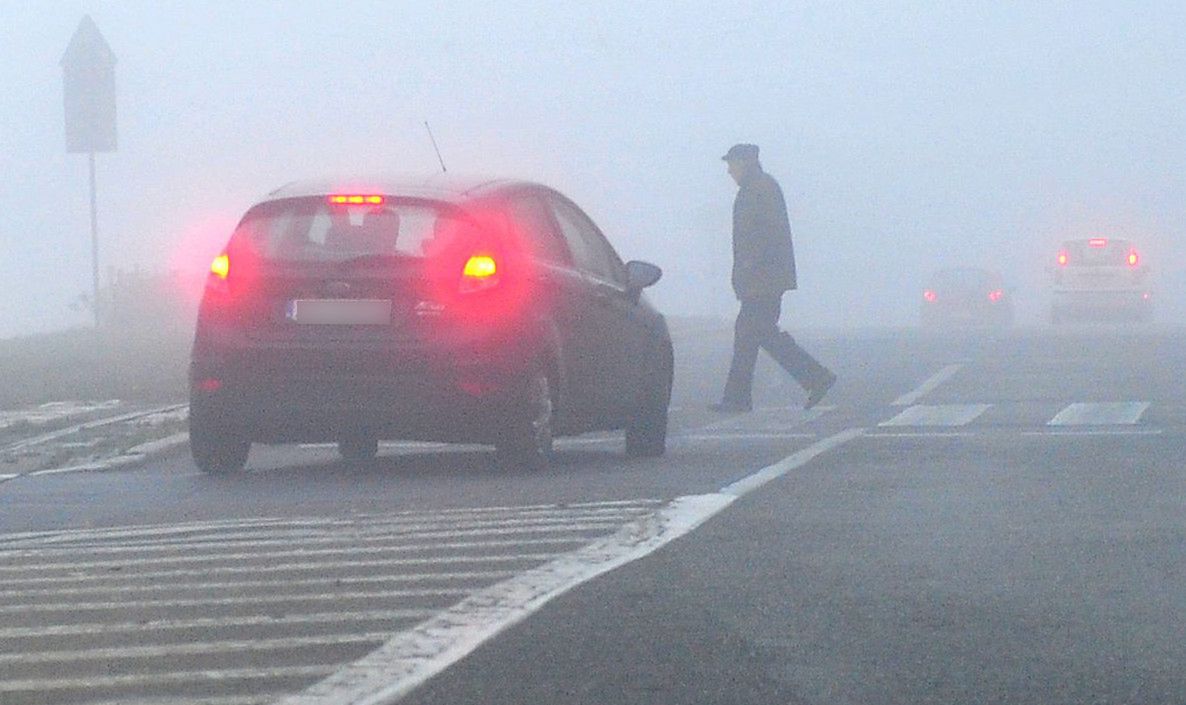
(929, 295)
(221, 266)
(480, 272)
(1098, 242)
(995, 295)
(1062, 258)
(1133, 258)
(353, 199)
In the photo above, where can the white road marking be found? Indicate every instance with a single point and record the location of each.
(795, 460)
(192, 648)
(50, 685)
(300, 566)
(923, 434)
(1100, 414)
(1097, 432)
(241, 585)
(412, 657)
(768, 417)
(937, 415)
(374, 533)
(144, 627)
(123, 532)
(236, 601)
(929, 385)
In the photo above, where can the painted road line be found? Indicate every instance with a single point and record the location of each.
(48, 686)
(937, 415)
(298, 567)
(922, 434)
(253, 561)
(1100, 414)
(236, 601)
(795, 460)
(256, 699)
(263, 621)
(412, 657)
(357, 536)
(421, 536)
(773, 417)
(929, 385)
(126, 532)
(1096, 432)
(191, 648)
(286, 539)
(243, 585)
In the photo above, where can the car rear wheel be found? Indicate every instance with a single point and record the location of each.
(646, 433)
(216, 450)
(358, 448)
(526, 442)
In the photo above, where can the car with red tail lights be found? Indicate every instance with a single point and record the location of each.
(436, 309)
(966, 297)
(1100, 278)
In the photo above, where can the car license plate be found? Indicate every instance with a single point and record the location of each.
(339, 312)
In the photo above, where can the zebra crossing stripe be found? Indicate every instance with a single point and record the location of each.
(937, 415)
(1100, 414)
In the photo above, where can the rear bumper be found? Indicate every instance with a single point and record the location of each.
(277, 394)
(1101, 302)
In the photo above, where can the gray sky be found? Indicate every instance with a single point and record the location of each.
(906, 135)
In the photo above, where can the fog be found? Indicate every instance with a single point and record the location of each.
(907, 136)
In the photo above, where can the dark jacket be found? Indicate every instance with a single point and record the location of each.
(763, 256)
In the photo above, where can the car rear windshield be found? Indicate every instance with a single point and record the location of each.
(963, 278)
(1104, 252)
(315, 230)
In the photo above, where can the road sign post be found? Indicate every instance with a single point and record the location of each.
(88, 83)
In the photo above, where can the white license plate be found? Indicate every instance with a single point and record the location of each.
(339, 312)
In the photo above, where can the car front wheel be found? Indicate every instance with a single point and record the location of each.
(646, 432)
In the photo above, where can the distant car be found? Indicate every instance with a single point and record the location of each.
(966, 297)
(1100, 278)
(437, 309)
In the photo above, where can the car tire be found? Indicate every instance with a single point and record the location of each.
(646, 431)
(526, 442)
(216, 450)
(358, 448)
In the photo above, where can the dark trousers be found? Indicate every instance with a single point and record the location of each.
(757, 327)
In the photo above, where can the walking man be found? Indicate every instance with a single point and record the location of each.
(763, 269)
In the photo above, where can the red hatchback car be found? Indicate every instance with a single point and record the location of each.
(436, 309)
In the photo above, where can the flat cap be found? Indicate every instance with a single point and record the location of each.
(741, 151)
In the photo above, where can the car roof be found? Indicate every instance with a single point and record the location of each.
(438, 187)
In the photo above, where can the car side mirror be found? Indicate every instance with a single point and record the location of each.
(640, 275)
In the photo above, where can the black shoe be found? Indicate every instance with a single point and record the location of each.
(818, 390)
(730, 407)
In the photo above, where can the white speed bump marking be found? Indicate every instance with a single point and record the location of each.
(928, 386)
(412, 657)
(1100, 414)
(937, 415)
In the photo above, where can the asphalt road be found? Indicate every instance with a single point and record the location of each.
(980, 518)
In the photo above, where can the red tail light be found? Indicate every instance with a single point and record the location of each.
(995, 295)
(479, 273)
(1062, 258)
(1098, 242)
(221, 266)
(1133, 258)
(929, 295)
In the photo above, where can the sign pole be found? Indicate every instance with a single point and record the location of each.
(88, 92)
(94, 242)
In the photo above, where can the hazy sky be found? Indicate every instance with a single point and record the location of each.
(906, 135)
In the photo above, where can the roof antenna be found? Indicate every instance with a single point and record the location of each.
(434, 146)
